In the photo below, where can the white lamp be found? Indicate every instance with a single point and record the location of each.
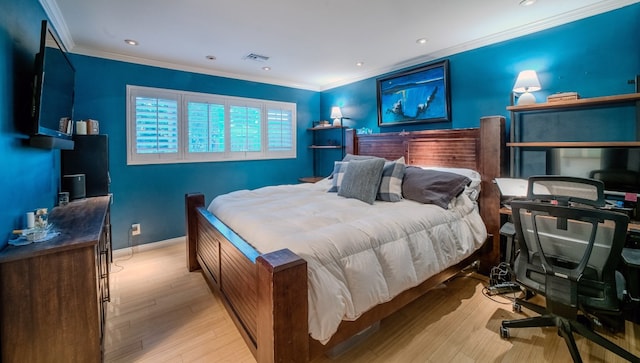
(527, 82)
(336, 115)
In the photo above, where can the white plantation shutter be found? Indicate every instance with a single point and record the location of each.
(206, 127)
(167, 126)
(245, 126)
(156, 125)
(279, 130)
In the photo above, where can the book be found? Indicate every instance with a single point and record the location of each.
(563, 96)
(63, 126)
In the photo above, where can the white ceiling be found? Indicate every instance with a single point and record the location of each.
(312, 44)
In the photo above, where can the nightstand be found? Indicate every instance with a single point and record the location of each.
(310, 179)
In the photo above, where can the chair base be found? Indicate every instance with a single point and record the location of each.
(566, 328)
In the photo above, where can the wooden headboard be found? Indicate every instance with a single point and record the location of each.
(481, 149)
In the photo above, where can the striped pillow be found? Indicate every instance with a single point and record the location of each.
(391, 183)
(339, 169)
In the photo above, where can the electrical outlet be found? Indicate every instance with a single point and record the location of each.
(135, 229)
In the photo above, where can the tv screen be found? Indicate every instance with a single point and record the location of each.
(618, 168)
(53, 89)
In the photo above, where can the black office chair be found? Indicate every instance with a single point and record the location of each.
(569, 253)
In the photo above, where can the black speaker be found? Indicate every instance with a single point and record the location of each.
(90, 156)
(75, 185)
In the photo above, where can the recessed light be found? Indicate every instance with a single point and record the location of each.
(211, 57)
(527, 2)
(421, 40)
(266, 68)
(131, 42)
(359, 64)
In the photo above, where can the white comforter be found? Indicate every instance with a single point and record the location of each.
(358, 255)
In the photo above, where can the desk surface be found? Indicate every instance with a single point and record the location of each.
(632, 224)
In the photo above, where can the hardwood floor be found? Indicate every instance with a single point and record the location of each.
(160, 312)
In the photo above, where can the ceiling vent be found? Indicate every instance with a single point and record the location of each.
(256, 57)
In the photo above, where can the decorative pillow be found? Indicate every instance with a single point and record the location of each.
(339, 168)
(362, 179)
(432, 186)
(473, 189)
(391, 183)
(350, 157)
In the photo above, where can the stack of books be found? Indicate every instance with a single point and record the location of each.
(563, 96)
(66, 125)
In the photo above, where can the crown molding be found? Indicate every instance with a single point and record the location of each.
(513, 33)
(52, 10)
(186, 68)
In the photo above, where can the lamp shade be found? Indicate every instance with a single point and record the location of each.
(335, 112)
(336, 115)
(527, 82)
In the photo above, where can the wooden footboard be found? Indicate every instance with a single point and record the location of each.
(266, 294)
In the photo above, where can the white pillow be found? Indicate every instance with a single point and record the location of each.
(473, 189)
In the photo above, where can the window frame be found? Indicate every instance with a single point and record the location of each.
(183, 155)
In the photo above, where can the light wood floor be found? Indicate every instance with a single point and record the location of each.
(159, 312)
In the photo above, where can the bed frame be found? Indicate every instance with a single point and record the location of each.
(266, 294)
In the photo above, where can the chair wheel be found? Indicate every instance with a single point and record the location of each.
(504, 332)
(517, 308)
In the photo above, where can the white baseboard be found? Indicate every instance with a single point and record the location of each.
(123, 252)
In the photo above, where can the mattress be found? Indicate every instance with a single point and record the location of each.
(358, 255)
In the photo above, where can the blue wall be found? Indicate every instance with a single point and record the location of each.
(29, 177)
(593, 56)
(153, 195)
(587, 56)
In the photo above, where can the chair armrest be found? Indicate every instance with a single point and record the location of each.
(631, 259)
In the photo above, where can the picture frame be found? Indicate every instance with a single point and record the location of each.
(417, 95)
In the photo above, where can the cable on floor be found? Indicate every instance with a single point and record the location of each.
(130, 245)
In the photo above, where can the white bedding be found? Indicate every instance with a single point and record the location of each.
(358, 255)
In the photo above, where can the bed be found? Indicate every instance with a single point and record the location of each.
(267, 294)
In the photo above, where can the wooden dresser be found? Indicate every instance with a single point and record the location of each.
(53, 294)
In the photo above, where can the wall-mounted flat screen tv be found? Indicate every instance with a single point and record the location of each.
(53, 87)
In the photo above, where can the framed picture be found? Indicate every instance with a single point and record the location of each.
(414, 96)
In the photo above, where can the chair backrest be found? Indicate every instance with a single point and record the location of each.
(569, 253)
(566, 189)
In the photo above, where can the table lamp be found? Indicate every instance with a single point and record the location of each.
(336, 115)
(526, 83)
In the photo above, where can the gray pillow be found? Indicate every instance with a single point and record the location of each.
(362, 179)
(432, 186)
(391, 183)
(348, 158)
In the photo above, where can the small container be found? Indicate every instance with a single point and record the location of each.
(35, 234)
(31, 220)
(63, 198)
(81, 127)
(42, 217)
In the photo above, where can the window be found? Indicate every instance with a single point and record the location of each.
(167, 126)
